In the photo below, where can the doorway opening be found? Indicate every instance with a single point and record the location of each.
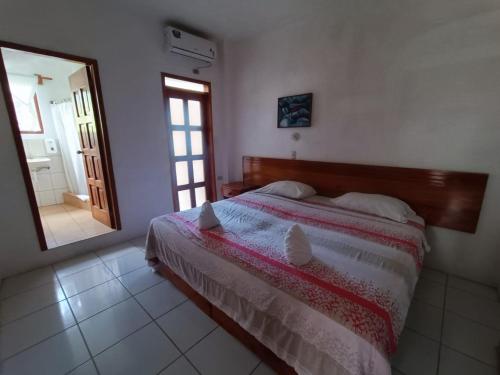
(57, 119)
(188, 114)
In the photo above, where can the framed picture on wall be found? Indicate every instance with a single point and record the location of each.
(295, 111)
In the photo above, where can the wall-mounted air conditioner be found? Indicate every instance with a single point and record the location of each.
(183, 43)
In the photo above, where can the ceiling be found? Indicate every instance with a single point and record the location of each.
(228, 19)
(26, 63)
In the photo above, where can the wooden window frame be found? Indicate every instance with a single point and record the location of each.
(207, 131)
(101, 127)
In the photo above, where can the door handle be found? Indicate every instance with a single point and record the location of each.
(79, 152)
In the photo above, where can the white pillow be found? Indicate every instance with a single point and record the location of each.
(376, 204)
(289, 189)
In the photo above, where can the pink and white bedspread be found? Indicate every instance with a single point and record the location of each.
(342, 313)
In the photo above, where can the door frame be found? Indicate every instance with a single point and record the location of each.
(101, 128)
(208, 130)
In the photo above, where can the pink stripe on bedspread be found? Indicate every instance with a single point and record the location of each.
(412, 245)
(319, 286)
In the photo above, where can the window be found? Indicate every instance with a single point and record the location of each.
(186, 85)
(187, 106)
(23, 90)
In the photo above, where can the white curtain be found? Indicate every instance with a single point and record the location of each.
(23, 90)
(69, 143)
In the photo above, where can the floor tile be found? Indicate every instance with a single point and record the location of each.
(26, 281)
(116, 251)
(416, 354)
(93, 228)
(57, 355)
(160, 298)
(470, 306)
(471, 338)
(82, 216)
(140, 279)
(151, 349)
(433, 275)
(47, 210)
(263, 369)
(186, 324)
(473, 288)
(51, 243)
(430, 292)
(127, 263)
(454, 363)
(139, 242)
(221, 354)
(86, 279)
(30, 330)
(27, 302)
(87, 368)
(99, 298)
(77, 264)
(425, 319)
(113, 324)
(69, 235)
(180, 367)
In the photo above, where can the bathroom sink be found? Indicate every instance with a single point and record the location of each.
(38, 162)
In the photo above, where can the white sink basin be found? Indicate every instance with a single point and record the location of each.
(38, 162)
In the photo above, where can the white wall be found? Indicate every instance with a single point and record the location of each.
(129, 50)
(412, 84)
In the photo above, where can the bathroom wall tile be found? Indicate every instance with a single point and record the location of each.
(58, 180)
(27, 149)
(34, 181)
(44, 181)
(58, 193)
(56, 164)
(44, 171)
(47, 198)
(37, 147)
(37, 196)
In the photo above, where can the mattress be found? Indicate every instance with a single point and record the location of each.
(341, 313)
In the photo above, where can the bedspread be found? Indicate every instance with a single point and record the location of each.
(341, 313)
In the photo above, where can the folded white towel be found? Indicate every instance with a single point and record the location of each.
(207, 218)
(297, 246)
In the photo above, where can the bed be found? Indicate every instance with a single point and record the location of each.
(342, 313)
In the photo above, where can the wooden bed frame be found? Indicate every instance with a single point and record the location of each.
(447, 199)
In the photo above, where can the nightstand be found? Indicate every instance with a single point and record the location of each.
(232, 189)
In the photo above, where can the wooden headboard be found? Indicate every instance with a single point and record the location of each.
(443, 198)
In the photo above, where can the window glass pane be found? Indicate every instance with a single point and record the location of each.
(23, 93)
(198, 171)
(196, 144)
(186, 85)
(179, 138)
(176, 111)
(200, 195)
(194, 112)
(184, 200)
(181, 172)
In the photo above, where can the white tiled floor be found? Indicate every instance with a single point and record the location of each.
(107, 313)
(63, 224)
(452, 328)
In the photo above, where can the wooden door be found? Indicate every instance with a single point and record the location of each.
(188, 115)
(86, 124)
